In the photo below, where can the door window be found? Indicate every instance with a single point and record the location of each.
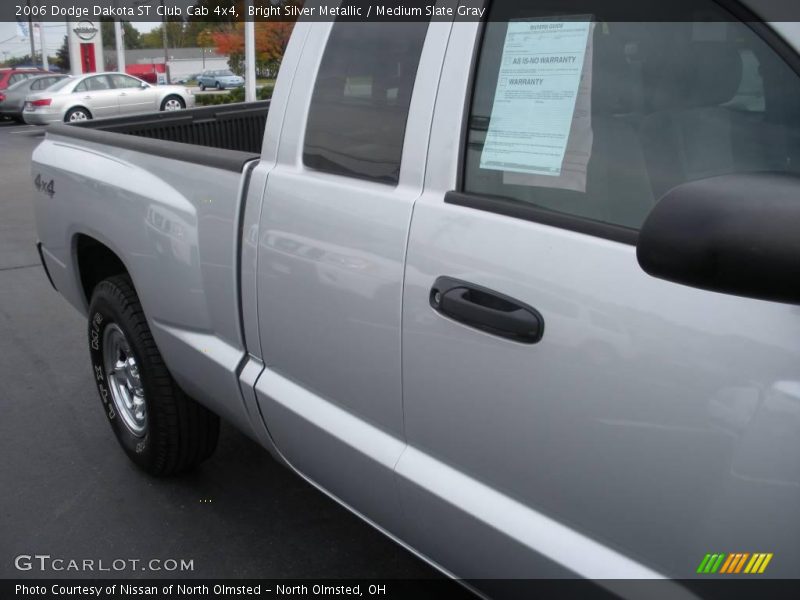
(125, 82)
(94, 84)
(575, 116)
(357, 119)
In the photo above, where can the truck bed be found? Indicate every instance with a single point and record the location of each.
(165, 193)
(225, 137)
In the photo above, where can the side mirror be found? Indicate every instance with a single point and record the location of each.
(735, 234)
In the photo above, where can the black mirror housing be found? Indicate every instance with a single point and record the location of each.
(735, 234)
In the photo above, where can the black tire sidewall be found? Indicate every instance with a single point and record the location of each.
(74, 110)
(168, 98)
(103, 312)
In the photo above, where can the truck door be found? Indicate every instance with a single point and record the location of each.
(332, 240)
(566, 413)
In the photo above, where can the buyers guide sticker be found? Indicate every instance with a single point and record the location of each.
(535, 100)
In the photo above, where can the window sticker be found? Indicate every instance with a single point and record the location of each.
(542, 105)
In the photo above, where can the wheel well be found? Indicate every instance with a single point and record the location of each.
(96, 262)
(176, 96)
(88, 112)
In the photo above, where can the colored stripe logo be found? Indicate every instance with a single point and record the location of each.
(735, 563)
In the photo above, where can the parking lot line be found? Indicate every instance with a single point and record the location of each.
(30, 129)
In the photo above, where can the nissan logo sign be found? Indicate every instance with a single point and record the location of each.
(85, 30)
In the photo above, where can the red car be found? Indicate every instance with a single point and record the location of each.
(10, 76)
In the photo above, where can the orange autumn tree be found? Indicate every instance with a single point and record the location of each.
(271, 38)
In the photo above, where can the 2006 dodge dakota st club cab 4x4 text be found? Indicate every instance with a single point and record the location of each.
(440, 286)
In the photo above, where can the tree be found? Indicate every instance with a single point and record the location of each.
(132, 36)
(205, 39)
(271, 38)
(180, 34)
(26, 61)
(62, 56)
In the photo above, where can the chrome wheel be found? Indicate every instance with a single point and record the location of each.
(173, 104)
(78, 115)
(124, 382)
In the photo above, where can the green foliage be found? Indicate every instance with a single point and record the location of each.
(212, 99)
(27, 61)
(180, 34)
(236, 63)
(16, 61)
(235, 95)
(62, 56)
(132, 37)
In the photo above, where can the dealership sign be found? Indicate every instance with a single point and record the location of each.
(85, 30)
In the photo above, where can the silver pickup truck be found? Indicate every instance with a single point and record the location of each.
(522, 294)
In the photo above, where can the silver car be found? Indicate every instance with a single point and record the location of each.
(12, 100)
(99, 95)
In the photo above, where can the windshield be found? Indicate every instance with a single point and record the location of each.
(226, 74)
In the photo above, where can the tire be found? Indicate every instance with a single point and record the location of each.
(219, 86)
(163, 431)
(77, 114)
(171, 103)
(202, 88)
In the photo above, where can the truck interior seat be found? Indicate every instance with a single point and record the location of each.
(692, 131)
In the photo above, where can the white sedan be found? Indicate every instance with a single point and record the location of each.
(98, 95)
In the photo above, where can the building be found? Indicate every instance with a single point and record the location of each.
(182, 63)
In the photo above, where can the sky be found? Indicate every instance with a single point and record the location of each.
(12, 45)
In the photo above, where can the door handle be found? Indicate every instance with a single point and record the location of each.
(487, 310)
(87, 97)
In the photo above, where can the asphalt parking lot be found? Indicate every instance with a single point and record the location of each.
(67, 490)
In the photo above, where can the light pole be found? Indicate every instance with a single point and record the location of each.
(164, 40)
(45, 61)
(119, 35)
(120, 40)
(30, 34)
(250, 58)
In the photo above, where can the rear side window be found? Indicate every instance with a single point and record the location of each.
(359, 107)
(593, 119)
(43, 83)
(61, 84)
